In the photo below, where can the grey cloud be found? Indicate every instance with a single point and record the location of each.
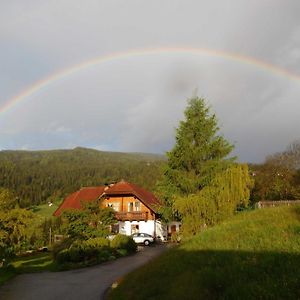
(134, 104)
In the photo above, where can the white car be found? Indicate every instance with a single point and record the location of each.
(143, 238)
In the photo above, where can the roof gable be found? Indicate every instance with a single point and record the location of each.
(126, 188)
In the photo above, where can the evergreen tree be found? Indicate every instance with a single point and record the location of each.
(198, 154)
(201, 185)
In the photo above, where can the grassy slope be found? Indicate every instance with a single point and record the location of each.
(28, 264)
(254, 256)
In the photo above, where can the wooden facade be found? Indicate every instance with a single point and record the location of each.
(128, 208)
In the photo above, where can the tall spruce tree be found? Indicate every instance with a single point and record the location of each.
(199, 152)
(201, 184)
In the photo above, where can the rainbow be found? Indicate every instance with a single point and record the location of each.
(40, 84)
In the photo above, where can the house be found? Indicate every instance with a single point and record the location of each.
(136, 209)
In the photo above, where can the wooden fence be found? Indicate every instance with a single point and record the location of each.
(262, 204)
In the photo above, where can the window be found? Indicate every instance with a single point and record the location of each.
(137, 205)
(115, 206)
(130, 206)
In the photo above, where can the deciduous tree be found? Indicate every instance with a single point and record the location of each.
(90, 222)
(14, 223)
(217, 201)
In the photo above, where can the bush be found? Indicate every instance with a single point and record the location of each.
(62, 256)
(124, 242)
(175, 237)
(104, 255)
(98, 242)
(58, 247)
(6, 252)
(122, 252)
(96, 250)
(93, 250)
(75, 254)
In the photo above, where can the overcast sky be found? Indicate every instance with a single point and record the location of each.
(134, 103)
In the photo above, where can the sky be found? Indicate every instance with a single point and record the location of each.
(116, 75)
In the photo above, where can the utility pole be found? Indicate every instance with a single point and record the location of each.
(50, 236)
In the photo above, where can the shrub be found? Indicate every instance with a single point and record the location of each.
(58, 247)
(96, 250)
(98, 242)
(75, 254)
(62, 256)
(104, 255)
(93, 250)
(6, 252)
(175, 237)
(124, 242)
(122, 252)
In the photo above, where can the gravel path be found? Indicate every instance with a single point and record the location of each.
(84, 284)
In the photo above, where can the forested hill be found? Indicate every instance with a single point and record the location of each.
(40, 176)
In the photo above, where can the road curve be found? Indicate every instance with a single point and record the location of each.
(87, 283)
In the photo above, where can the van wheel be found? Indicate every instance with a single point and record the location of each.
(146, 243)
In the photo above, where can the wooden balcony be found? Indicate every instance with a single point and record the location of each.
(131, 216)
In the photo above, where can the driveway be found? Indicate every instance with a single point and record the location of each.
(87, 283)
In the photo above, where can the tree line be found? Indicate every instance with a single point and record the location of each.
(40, 176)
(278, 178)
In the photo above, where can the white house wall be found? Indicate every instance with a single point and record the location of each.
(144, 226)
(161, 230)
(155, 228)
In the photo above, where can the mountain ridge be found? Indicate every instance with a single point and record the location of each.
(37, 176)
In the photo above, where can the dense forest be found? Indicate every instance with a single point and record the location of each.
(39, 176)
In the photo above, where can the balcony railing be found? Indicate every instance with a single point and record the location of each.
(132, 216)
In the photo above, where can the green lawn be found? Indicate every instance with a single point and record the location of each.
(44, 210)
(35, 263)
(256, 255)
(28, 264)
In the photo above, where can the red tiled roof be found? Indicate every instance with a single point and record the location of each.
(73, 201)
(126, 188)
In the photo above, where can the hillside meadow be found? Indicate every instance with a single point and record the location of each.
(255, 255)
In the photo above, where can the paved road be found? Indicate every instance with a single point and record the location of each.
(84, 284)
